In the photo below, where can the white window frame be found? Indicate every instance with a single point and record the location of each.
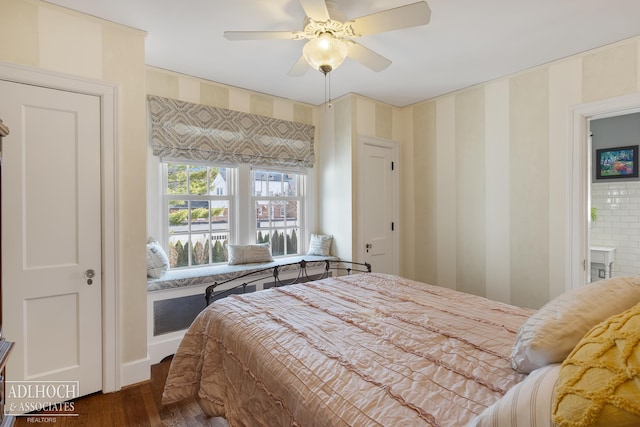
(242, 218)
(231, 197)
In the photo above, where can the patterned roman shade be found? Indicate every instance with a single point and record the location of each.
(185, 131)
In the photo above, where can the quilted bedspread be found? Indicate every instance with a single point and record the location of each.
(360, 350)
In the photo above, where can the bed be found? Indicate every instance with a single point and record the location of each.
(376, 349)
(175, 298)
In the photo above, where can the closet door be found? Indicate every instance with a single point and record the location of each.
(51, 235)
(378, 217)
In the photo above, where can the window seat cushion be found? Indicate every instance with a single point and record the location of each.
(217, 273)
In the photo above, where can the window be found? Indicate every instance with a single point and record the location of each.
(198, 202)
(208, 206)
(277, 199)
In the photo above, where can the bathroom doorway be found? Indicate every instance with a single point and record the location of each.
(578, 222)
(614, 226)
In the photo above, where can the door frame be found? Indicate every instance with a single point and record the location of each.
(578, 182)
(109, 199)
(395, 187)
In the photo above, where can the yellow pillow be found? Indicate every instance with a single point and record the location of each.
(599, 383)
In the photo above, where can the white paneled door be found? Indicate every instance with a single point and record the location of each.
(51, 235)
(378, 205)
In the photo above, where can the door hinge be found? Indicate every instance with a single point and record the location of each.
(392, 226)
(584, 264)
(392, 165)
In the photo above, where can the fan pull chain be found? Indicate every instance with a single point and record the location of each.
(327, 104)
(325, 91)
(330, 104)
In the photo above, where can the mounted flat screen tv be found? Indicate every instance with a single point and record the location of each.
(618, 162)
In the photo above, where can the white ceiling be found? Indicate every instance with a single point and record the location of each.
(467, 42)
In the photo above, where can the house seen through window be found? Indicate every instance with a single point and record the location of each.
(205, 207)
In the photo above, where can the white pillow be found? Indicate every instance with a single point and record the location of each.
(320, 244)
(248, 254)
(549, 335)
(527, 404)
(157, 261)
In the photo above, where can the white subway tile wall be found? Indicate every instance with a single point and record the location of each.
(617, 225)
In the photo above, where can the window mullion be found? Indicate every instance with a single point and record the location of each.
(245, 233)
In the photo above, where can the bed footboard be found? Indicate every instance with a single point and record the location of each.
(339, 266)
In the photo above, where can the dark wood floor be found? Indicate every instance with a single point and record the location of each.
(139, 405)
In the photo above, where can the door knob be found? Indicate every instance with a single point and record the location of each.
(89, 275)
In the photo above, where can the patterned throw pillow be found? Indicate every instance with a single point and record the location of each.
(157, 260)
(549, 335)
(599, 383)
(249, 254)
(320, 244)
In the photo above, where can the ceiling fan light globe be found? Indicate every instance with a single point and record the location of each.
(325, 52)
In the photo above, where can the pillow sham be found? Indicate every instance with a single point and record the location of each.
(249, 254)
(527, 404)
(549, 335)
(320, 244)
(599, 383)
(157, 260)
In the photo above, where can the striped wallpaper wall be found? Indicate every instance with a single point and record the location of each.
(192, 89)
(493, 159)
(484, 174)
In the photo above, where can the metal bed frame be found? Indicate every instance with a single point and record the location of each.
(339, 266)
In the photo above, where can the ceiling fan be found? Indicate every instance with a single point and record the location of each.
(331, 35)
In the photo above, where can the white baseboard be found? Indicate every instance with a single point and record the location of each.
(135, 372)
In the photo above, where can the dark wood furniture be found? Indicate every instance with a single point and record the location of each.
(5, 350)
(5, 346)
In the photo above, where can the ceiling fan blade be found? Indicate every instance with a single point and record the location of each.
(368, 57)
(260, 35)
(299, 68)
(411, 15)
(315, 9)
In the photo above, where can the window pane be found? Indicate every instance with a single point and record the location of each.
(275, 184)
(219, 240)
(278, 238)
(178, 251)
(200, 216)
(260, 183)
(277, 213)
(176, 179)
(262, 214)
(178, 216)
(292, 242)
(218, 181)
(291, 185)
(291, 214)
(219, 215)
(262, 236)
(198, 180)
(283, 241)
(201, 249)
